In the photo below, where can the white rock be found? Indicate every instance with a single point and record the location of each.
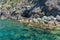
(39, 19)
(35, 20)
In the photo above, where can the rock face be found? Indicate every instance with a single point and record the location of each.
(53, 7)
(31, 8)
(53, 3)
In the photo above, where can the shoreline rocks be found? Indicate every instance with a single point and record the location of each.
(40, 15)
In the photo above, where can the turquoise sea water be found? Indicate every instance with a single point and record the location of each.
(13, 30)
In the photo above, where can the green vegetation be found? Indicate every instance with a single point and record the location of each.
(11, 2)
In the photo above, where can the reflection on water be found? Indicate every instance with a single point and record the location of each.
(12, 30)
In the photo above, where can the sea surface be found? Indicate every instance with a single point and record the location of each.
(14, 30)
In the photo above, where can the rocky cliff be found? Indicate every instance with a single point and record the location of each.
(29, 8)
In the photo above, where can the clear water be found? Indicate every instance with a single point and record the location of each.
(13, 30)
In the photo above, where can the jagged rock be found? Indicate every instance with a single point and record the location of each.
(46, 22)
(37, 10)
(33, 10)
(51, 17)
(58, 19)
(39, 19)
(44, 18)
(57, 16)
(3, 17)
(53, 3)
(34, 20)
(51, 24)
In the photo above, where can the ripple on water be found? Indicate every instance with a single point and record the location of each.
(13, 30)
